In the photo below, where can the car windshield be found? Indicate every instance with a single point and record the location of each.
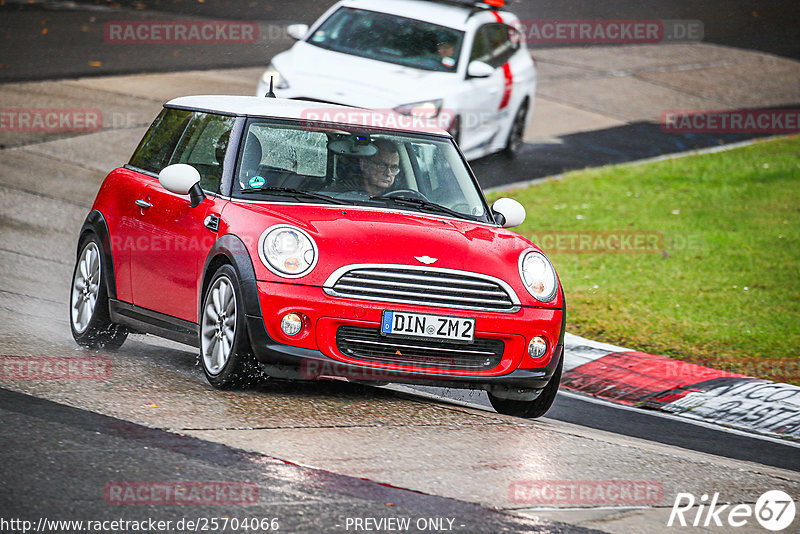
(390, 38)
(283, 162)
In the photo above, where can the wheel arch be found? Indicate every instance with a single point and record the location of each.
(230, 250)
(95, 223)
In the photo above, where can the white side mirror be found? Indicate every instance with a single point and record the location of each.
(479, 69)
(297, 31)
(182, 179)
(179, 178)
(511, 212)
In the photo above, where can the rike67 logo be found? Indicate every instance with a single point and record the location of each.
(774, 510)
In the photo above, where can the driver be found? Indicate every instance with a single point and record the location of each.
(446, 48)
(377, 172)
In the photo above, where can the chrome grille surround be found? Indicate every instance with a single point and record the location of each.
(423, 286)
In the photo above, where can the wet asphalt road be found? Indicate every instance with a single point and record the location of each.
(581, 410)
(63, 457)
(620, 144)
(50, 39)
(45, 39)
(65, 462)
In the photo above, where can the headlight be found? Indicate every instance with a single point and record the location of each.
(427, 109)
(538, 275)
(287, 251)
(278, 81)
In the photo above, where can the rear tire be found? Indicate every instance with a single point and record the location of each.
(225, 354)
(531, 409)
(89, 317)
(514, 141)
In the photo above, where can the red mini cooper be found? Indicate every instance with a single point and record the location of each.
(302, 240)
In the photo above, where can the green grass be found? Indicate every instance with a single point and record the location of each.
(720, 288)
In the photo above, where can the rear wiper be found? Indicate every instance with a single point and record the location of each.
(422, 204)
(297, 193)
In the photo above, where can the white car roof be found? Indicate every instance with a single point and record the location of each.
(282, 108)
(441, 13)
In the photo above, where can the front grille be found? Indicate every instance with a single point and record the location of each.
(424, 286)
(368, 344)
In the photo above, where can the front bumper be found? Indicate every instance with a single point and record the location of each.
(314, 352)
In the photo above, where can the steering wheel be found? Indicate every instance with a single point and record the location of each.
(413, 193)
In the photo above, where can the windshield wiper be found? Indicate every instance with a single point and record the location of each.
(297, 193)
(422, 204)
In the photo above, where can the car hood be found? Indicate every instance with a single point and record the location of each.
(348, 236)
(320, 74)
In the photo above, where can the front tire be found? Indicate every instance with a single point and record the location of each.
(225, 353)
(89, 317)
(531, 409)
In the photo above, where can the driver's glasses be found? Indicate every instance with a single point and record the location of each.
(382, 166)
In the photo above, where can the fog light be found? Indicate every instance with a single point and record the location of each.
(537, 347)
(291, 324)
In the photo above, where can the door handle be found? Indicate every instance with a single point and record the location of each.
(143, 204)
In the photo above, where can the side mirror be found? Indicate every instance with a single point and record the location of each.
(182, 179)
(479, 69)
(297, 31)
(508, 212)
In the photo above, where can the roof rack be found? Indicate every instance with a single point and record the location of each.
(494, 5)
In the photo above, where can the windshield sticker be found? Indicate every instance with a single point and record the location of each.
(257, 181)
(448, 62)
(319, 36)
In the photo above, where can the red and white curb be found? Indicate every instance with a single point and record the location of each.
(659, 383)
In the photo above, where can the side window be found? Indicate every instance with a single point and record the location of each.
(480, 46)
(495, 44)
(158, 144)
(203, 146)
(503, 42)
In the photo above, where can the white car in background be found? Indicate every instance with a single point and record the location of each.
(461, 65)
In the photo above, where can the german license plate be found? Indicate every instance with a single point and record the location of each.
(424, 326)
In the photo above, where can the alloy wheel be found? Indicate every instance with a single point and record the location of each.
(85, 287)
(219, 325)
